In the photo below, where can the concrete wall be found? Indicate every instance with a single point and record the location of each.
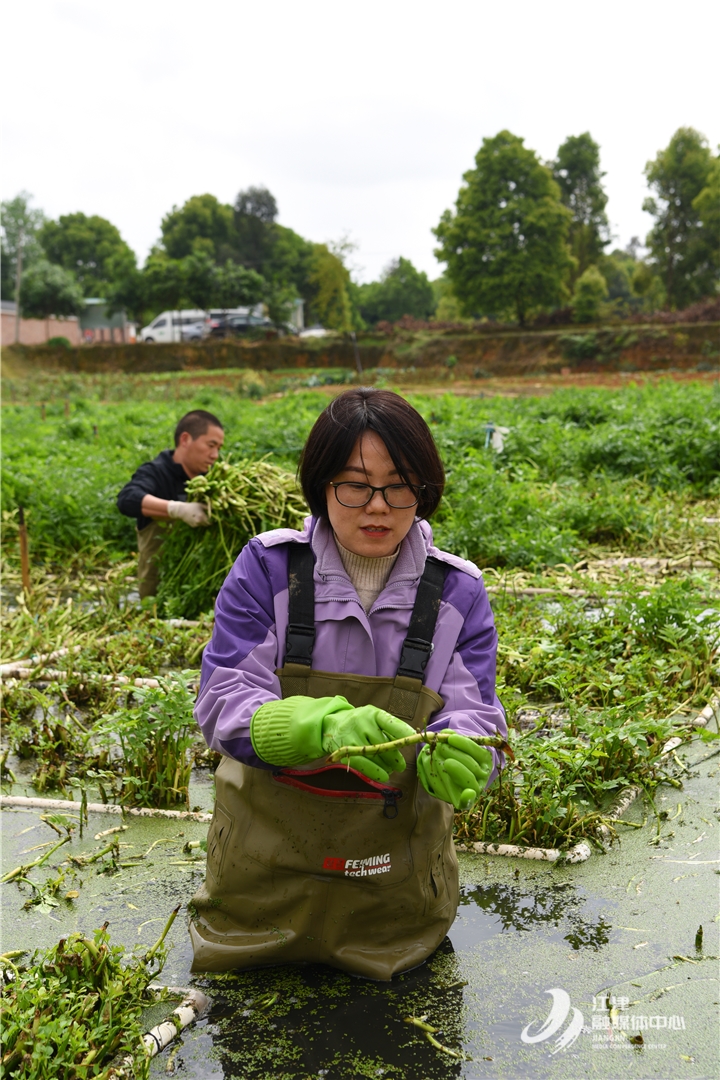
(38, 331)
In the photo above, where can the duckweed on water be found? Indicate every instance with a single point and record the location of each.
(291, 1038)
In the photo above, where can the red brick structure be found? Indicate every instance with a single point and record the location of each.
(38, 331)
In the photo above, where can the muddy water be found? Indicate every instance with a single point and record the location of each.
(607, 927)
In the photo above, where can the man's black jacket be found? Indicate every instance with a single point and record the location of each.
(162, 477)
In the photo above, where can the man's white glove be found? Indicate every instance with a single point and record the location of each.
(192, 513)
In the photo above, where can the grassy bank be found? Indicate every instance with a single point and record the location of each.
(469, 352)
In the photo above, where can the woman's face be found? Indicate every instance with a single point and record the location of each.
(375, 529)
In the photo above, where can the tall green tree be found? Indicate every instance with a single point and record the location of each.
(87, 246)
(683, 249)
(202, 223)
(197, 281)
(590, 291)
(127, 290)
(164, 281)
(707, 207)
(21, 224)
(200, 278)
(330, 281)
(506, 244)
(236, 286)
(290, 261)
(577, 173)
(402, 290)
(47, 289)
(254, 216)
(288, 270)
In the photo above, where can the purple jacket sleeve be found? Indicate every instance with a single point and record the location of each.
(238, 666)
(468, 687)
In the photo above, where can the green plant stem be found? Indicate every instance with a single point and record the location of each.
(429, 737)
(41, 859)
(151, 952)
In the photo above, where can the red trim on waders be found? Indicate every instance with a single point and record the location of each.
(364, 787)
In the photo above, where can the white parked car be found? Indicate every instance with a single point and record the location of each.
(186, 325)
(314, 331)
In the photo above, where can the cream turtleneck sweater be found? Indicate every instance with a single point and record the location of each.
(368, 574)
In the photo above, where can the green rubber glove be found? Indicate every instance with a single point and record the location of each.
(455, 771)
(367, 726)
(297, 730)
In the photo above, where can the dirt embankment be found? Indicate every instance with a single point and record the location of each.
(469, 354)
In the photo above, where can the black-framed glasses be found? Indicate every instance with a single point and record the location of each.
(399, 496)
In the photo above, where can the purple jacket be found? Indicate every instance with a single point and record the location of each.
(251, 614)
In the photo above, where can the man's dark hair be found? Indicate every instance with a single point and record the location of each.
(196, 423)
(407, 437)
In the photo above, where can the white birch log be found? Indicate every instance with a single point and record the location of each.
(31, 803)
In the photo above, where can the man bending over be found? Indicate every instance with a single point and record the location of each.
(156, 492)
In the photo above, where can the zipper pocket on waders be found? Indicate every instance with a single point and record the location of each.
(341, 782)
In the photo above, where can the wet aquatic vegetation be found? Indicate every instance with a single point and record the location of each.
(652, 649)
(155, 737)
(556, 789)
(430, 1032)
(38, 725)
(52, 714)
(23, 870)
(594, 660)
(76, 1008)
(55, 747)
(296, 1035)
(6, 773)
(244, 498)
(621, 683)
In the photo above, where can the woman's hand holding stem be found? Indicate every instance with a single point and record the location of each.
(430, 737)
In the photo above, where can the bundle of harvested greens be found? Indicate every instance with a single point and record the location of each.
(244, 497)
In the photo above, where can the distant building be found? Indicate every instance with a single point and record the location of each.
(297, 316)
(97, 325)
(92, 326)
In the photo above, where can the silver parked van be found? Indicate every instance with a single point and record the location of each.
(186, 325)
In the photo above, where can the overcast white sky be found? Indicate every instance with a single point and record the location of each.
(360, 117)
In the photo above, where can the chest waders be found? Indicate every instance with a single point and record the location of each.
(319, 864)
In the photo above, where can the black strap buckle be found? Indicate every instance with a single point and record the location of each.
(299, 642)
(414, 657)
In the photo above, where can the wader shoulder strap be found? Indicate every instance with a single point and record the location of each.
(300, 636)
(418, 646)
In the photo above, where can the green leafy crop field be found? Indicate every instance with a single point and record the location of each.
(578, 467)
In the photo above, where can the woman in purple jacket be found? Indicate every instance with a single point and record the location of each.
(354, 632)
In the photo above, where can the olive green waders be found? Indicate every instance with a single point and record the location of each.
(320, 864)
(149, 541)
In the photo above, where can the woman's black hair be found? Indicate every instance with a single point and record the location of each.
(407, 437)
